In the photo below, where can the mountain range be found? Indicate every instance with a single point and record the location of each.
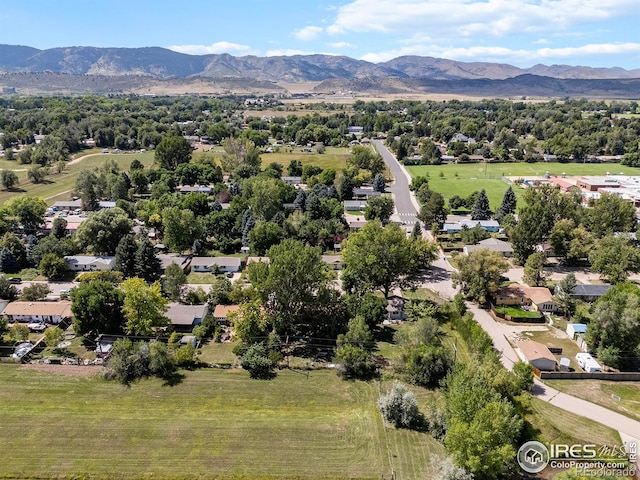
(162, 63)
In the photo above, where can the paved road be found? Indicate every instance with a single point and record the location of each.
(438, 278)
(405, 203)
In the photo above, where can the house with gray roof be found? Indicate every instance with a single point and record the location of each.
(89, 263)
(589, 293)
(491, 244)
(215, 264)
(184, 317)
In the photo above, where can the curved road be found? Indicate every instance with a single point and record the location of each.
(439, 279)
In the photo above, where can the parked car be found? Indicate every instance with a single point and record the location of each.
(22, 349)
(37, 326)
(14, 280)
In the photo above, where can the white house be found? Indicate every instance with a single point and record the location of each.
(89, 263)
(492, 244)
(215, 264)
(537, 355)
(47, 312)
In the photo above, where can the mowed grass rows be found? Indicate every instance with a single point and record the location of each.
(476, 176)
(215, 423)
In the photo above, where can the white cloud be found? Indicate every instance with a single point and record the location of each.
(341, 45)
(307, 33)
(286, 52)
(504, 54)
(455, 18)
(218, 47)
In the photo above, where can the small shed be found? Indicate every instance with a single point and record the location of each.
(537, 355)
(574, 329)
(564, 364)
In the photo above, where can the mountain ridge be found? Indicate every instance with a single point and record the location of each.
(162, 63)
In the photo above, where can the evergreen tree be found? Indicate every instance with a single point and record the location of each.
(481, 209)
(417, 231)
(216, 206)
(8, 262)
(126, 256)
(379, 183)
(508, 205)
(148, 266)
(301, 200)
(248, 222)
(433, 211)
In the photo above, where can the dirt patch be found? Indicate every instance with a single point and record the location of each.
(70, 370)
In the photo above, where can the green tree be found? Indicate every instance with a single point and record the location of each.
(8, 179)
(8, 262)
(18, 333)
(479, 274)
(172, 151)
(7, 290)
(433, 211)
(256, 361)
(358, 334)
(416, 232)
(101, 232)
(16, 247)
(126, 256)
(400, 407)
(97, 308)
(379, 183)
(613, 257)
(615, 327)
(563, 294)
(87, 189)
(52, 266)
(143, 307)
(264, 235)
(173, 282)
(36, 292)
(379, 208)
(147, 264)
(610, 214)
(508, 205)
(534, 274)
(250, 322)
(181, 228)
(481, 209)
(384, 258)
(59, 227)
(25, 211)
(53, 336)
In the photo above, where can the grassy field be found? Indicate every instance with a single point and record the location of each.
(333, 157)
(600, 392)
(59, 187)
(472, 177)
(554, 425)
(214, 424)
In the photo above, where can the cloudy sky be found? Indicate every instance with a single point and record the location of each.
(601, 33)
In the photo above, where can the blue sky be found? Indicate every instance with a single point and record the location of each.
(600, 33)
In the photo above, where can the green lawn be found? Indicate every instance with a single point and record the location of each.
(600, 392)
(215, 424)
(517, 311)
(554, 425)
(475, 176)
(59, 186)
(334, 157)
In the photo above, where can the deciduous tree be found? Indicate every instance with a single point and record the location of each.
(101, 232)
(97, 308)
(613, 257)
(143, 307)
(172, 151)
(479, 274)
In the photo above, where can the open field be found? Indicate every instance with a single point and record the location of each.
(58, 187)
(600, 392)
(214, 424)
(333, 157)
(476, 176)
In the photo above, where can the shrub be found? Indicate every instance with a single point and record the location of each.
(400, 407)
(256, 361)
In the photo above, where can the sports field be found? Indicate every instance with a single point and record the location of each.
(464, 179)
(213, 424)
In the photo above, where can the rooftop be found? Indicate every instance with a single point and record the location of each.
(534, 350)
(61, 309)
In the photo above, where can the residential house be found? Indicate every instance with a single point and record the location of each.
(184, 317)
(44, 312)
(395, 308)
(216, 264)
(295, 181)
(492, 244)
(539, 298)
(167, 259)
(488, 225)
(364, 193)
(206, 189)
(356, 224)
(89, 263)
(334, 261)
(355, 205)
(537, 355)
(221, 313)
(589, 293)
(251, 260)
